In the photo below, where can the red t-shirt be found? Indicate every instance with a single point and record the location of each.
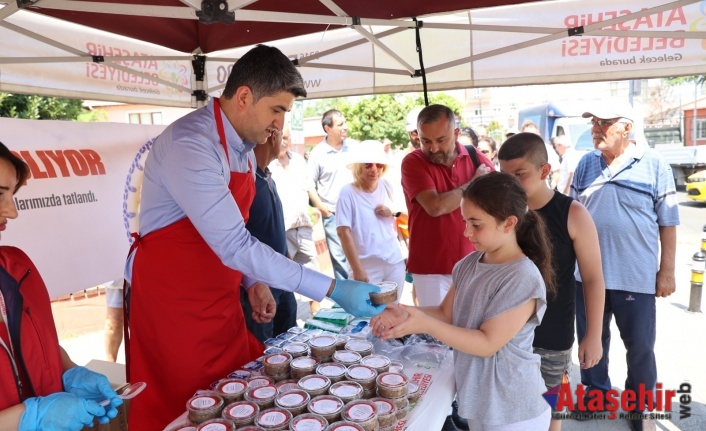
(436, 243)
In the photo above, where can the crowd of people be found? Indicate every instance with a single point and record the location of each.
(512, 248)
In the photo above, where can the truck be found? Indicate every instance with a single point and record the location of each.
(685, 160)
(557, 119)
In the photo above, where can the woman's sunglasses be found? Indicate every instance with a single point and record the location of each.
(380, 166)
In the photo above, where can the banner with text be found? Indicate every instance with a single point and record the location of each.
(80, 202)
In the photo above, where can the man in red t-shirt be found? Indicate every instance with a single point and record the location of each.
(433, 178)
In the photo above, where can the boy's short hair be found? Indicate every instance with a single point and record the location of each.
(525, 145)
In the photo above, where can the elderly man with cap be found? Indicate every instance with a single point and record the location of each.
(629, 190)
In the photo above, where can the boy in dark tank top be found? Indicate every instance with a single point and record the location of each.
(574, 239)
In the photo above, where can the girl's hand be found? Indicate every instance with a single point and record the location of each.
(391, 317)
(417, 322)
(383, 211)
(360, 275)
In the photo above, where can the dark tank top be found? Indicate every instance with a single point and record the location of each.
(557, 329)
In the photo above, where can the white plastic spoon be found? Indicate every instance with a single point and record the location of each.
(130, 392)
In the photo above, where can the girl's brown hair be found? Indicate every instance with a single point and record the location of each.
(20, 166)
(500, 195)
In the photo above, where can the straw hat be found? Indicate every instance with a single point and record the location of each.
(370, 151)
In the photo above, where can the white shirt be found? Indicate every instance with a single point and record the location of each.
(373, 236)
(293, 185)
(568, 166)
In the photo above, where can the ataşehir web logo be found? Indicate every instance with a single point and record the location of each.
(646, 403)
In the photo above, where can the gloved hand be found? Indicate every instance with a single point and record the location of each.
(93, 386)
(353, 297)
(58, 412)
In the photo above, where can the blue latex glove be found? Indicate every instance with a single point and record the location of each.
(93, 386)
(58, 412)
(353, 297)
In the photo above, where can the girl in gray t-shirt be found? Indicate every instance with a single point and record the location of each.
(488, 317)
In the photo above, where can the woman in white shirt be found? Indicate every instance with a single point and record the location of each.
(365, 219)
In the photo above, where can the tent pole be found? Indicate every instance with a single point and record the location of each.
(198, 96)
(421, 72)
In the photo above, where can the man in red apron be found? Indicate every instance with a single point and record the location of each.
(186, 326)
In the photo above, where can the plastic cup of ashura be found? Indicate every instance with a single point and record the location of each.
(241, 413)
(304, 366)
(402, 411)
(341, 340)
(334, 371)
(379, 363)
(309, 422)
(274, 419)
(287, 386)
(362, 347)
(387, 412)
(344, 426)
(346, 390)
(204, 407)
(396, 367)
(328, 406)
(346, 357)
(277, 363)
(295, 401)
(413, 392)
(362, 412)
(231, 390)
(297, 349)
(255, 381)
(363, 375)
(386, 295)
(392, 385)
(219, 424)
(315, 384)
(263, 396)
(323, 345)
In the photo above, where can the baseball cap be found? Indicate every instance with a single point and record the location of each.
(412, 119)
(608, 110)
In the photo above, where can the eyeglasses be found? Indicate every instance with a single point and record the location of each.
(413, 132)
(380, 166)
(604, 123)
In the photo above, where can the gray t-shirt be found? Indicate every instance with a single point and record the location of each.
(508, 386)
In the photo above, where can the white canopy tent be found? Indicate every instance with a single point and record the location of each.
(529, 43)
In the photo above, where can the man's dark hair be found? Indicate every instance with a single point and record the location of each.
(327, 118)
(524, 145)
(267, 71)
(467, 131)
(433, 113)
(21, 167)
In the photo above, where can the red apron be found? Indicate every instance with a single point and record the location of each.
(187, 328)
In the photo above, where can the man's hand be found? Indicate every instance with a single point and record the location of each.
(482, 170)
(666, 285)
(324, 211)
(262, 303)
(354, 297)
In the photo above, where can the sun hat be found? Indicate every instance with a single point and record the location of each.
(370, 151)
(412, 119)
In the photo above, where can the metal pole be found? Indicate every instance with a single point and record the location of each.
(693, 123)
(698, 266)
(703, 240)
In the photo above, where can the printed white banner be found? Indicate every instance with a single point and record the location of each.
(76, 209)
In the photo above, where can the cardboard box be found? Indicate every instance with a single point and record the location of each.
(116, 376)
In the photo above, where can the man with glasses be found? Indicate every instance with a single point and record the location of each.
(327, 164)
(433, 178)
(629, 190)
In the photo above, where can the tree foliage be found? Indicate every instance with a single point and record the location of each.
(378, 117)
(39, 108)
(316, 108)
(700, 80)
